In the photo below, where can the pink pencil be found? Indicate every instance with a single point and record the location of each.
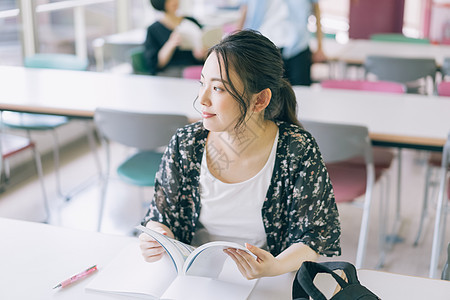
(77, 277)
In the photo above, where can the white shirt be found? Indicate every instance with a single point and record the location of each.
(232, 211)
(276, 26)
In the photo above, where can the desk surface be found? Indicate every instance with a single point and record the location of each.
(355, 51)
(35, 257)
(402, 119)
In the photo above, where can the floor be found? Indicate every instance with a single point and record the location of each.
(124, 208)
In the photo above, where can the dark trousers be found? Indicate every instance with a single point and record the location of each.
(297, 69)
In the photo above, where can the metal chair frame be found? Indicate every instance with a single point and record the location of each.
(441, 210)
(341, 142)
(145, 132)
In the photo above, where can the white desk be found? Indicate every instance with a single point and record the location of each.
(35, 257)
(357, 50)
(404, 120)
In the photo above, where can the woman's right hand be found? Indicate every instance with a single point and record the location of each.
(151, 250)
(174, 39)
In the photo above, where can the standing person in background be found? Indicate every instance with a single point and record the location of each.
(284, 22)
(164, 54)
(248, 172)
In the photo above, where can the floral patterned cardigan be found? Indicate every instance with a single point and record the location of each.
(299, 205)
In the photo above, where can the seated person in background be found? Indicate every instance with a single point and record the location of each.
(248, 172)
(168, 46)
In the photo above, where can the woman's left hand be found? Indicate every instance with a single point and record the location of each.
(264, 265)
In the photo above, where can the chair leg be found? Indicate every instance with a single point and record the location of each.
(424, 204)
(37, 158)
(104, 185)
(56, 163)
(394, 237)
(93, 146)
(362, 242)
(7, 170)
(399, 186)
(383, 219)
(439, 224)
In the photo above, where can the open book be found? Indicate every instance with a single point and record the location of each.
(194, 37)
(184, 273)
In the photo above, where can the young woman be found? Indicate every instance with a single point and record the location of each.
(248, 172)
(163, 53)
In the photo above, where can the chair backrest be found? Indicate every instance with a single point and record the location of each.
(400, 69)
(56, 61)
(138, 62)
(443, 88)
(397, 37)
(340, 142)
(143, 131)
(364, 85)
(192, 72)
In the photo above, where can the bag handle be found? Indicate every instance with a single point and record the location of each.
(303, 285)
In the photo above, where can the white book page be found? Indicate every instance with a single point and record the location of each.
(129, 274)
(177, 250)
(208, 259)
(190, 33)
(229, 285)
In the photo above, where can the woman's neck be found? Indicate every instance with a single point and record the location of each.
(249, 139)
(235, 157)
(171, 20)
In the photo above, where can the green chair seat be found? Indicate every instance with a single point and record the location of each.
(56, 61)
(397, 37)
(138, 62)
(140, 169)
(27, 121)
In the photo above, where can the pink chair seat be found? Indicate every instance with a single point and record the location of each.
(444, 88)
(382, 158)
(12, 144)
(364, 85)
(349, 180)
(192, 72)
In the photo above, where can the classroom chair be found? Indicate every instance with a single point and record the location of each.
(443, 88)
(48, 123)
(342, 146)
(403, 70)
(144, 132)
(364, 85)
(397, 37)
(138, 62)
(383, 157)
(193, 72)
(433, 165)
(11, 145)
(441, 210)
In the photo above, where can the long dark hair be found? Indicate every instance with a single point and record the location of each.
(258, 63)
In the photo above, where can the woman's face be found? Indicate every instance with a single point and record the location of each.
(171, 6)
(220, 111)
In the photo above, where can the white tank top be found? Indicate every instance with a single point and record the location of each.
(232, 211)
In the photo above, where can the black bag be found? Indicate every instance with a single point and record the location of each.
(304, 287)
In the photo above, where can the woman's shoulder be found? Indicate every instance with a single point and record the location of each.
(193, 20)
(296, 143)
(293, 134)
(192, 130)
(157, 26)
